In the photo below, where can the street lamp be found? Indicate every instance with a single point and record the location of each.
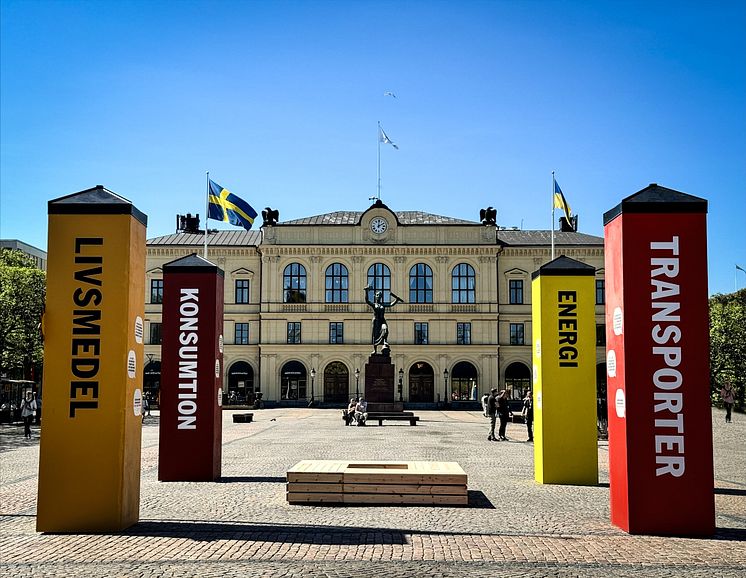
(313, 376)
(445, 386)
(401, 377)
(357, 384)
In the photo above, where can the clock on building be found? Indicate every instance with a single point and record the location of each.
(379, 225)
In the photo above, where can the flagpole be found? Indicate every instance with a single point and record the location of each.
(379, 159)
(553, 190)
(207, 209)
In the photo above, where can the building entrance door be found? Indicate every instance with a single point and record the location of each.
(421, 383)
(336, 383)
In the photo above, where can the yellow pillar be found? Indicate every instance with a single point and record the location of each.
(564, 354)
(89, 465)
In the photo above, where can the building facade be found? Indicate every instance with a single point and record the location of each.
(297, 325)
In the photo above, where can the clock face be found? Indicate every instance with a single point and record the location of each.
(379, 225)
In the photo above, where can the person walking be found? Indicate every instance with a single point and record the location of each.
(492, 413)
(729, 397)
(28, 411)
(503, 411)
(528, 414)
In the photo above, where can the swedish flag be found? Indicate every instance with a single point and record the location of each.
(225, 206)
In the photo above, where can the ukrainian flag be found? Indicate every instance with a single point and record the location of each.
(560, 202)
(225, 206)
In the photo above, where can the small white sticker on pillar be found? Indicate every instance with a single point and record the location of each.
(217, 368)
(131, 364)
(138, 330)
(137, 402)
(617, 320)
(611, 363)
(220, 397)
(620, 403)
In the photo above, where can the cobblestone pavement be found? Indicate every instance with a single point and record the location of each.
(243, 526)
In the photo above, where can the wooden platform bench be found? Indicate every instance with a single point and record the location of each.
(376, 482)
(243, 417)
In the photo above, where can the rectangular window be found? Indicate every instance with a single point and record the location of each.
(516, 291)
(155, 333)
(242, 334)
(294, 332)
(600, 291)
(601, 335)
(156, 290)
(336, 333)
(420, 333)
(463, 333)
(242, 290)
(516, 334)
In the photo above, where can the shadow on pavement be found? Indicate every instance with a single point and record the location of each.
(238, 479)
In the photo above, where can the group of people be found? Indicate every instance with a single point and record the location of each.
(496, 406)
(357, 412)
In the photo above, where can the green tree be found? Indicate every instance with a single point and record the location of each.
(22, 293)
(728, 343)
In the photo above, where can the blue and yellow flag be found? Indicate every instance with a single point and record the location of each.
(225, 206)
(560, 202)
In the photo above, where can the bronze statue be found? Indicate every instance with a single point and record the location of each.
(380, 327)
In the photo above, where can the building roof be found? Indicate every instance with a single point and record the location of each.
(518, 237)
(353, 218)
(215, 238)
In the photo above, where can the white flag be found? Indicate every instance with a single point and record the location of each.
(384, 138)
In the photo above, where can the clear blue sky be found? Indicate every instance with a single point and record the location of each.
(279, 101)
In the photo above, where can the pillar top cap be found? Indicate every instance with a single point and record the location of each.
(96, 201)
(657, 199)
(192, 264)
(564, 266)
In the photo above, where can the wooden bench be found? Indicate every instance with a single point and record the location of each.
(412, 419)
(377, 482)
(243, 417)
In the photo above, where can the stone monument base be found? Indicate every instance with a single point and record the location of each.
(379, 380)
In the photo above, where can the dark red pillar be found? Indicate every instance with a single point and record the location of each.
(657, 343)
(191, 371)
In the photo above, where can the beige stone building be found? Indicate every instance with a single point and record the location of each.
(296, 321)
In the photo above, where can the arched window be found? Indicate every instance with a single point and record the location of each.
(240, 384)
(294, 283)
(463, 283)
(293, 380)
(517, 380)
(336, 383)
(421, 284)
(421, 383)
(337, 283)
(464, 382)
(379, 277)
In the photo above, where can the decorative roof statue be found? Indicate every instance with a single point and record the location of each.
(270, 216)
(488, 216)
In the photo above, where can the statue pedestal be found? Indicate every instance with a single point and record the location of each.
(379, 380)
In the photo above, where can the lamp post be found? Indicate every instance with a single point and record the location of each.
(445, 386)
(401, 377)
(313, 376)
(357, 384)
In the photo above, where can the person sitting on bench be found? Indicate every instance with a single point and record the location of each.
(361, 411)
(348, 415)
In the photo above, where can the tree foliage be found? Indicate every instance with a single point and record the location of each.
(22, 293)
(728, 343)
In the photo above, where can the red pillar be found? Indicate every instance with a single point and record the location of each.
(191, 371)
(657, 343)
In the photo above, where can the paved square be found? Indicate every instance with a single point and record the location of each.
(243, 526)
